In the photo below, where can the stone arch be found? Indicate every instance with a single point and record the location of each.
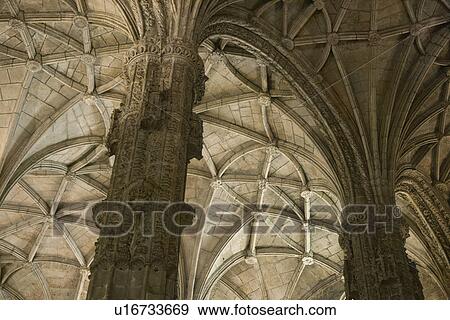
(347, 160)
(430, 221)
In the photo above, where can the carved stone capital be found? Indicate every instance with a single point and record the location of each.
(81, 22)
(259, 216)
(216, 56)
(316, 79)
(181, 49)
(415, 29)
(319, 4)
(149, 48)
(374, 38)
(217, 184)
(155, 50)
(263, 184)
(71, 176)
(273, 150)
(288, 43)
(33, 66)
(90, 99)
(264, 100)
(333, 38)
(251, 258)
(442, 187)
(188, 52)
(88, 58)
(308, 258)
(307, 194)
(17, 24)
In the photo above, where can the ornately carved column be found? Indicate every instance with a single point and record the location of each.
(153, 137)
(376, 265)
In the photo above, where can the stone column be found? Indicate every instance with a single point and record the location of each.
(376, 266)
(153, 136)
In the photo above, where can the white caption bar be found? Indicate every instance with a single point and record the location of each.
(348, 310)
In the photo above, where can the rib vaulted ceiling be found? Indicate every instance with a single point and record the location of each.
(61, 76)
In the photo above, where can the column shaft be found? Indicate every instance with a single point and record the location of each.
(376, 266)
(153, 136)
